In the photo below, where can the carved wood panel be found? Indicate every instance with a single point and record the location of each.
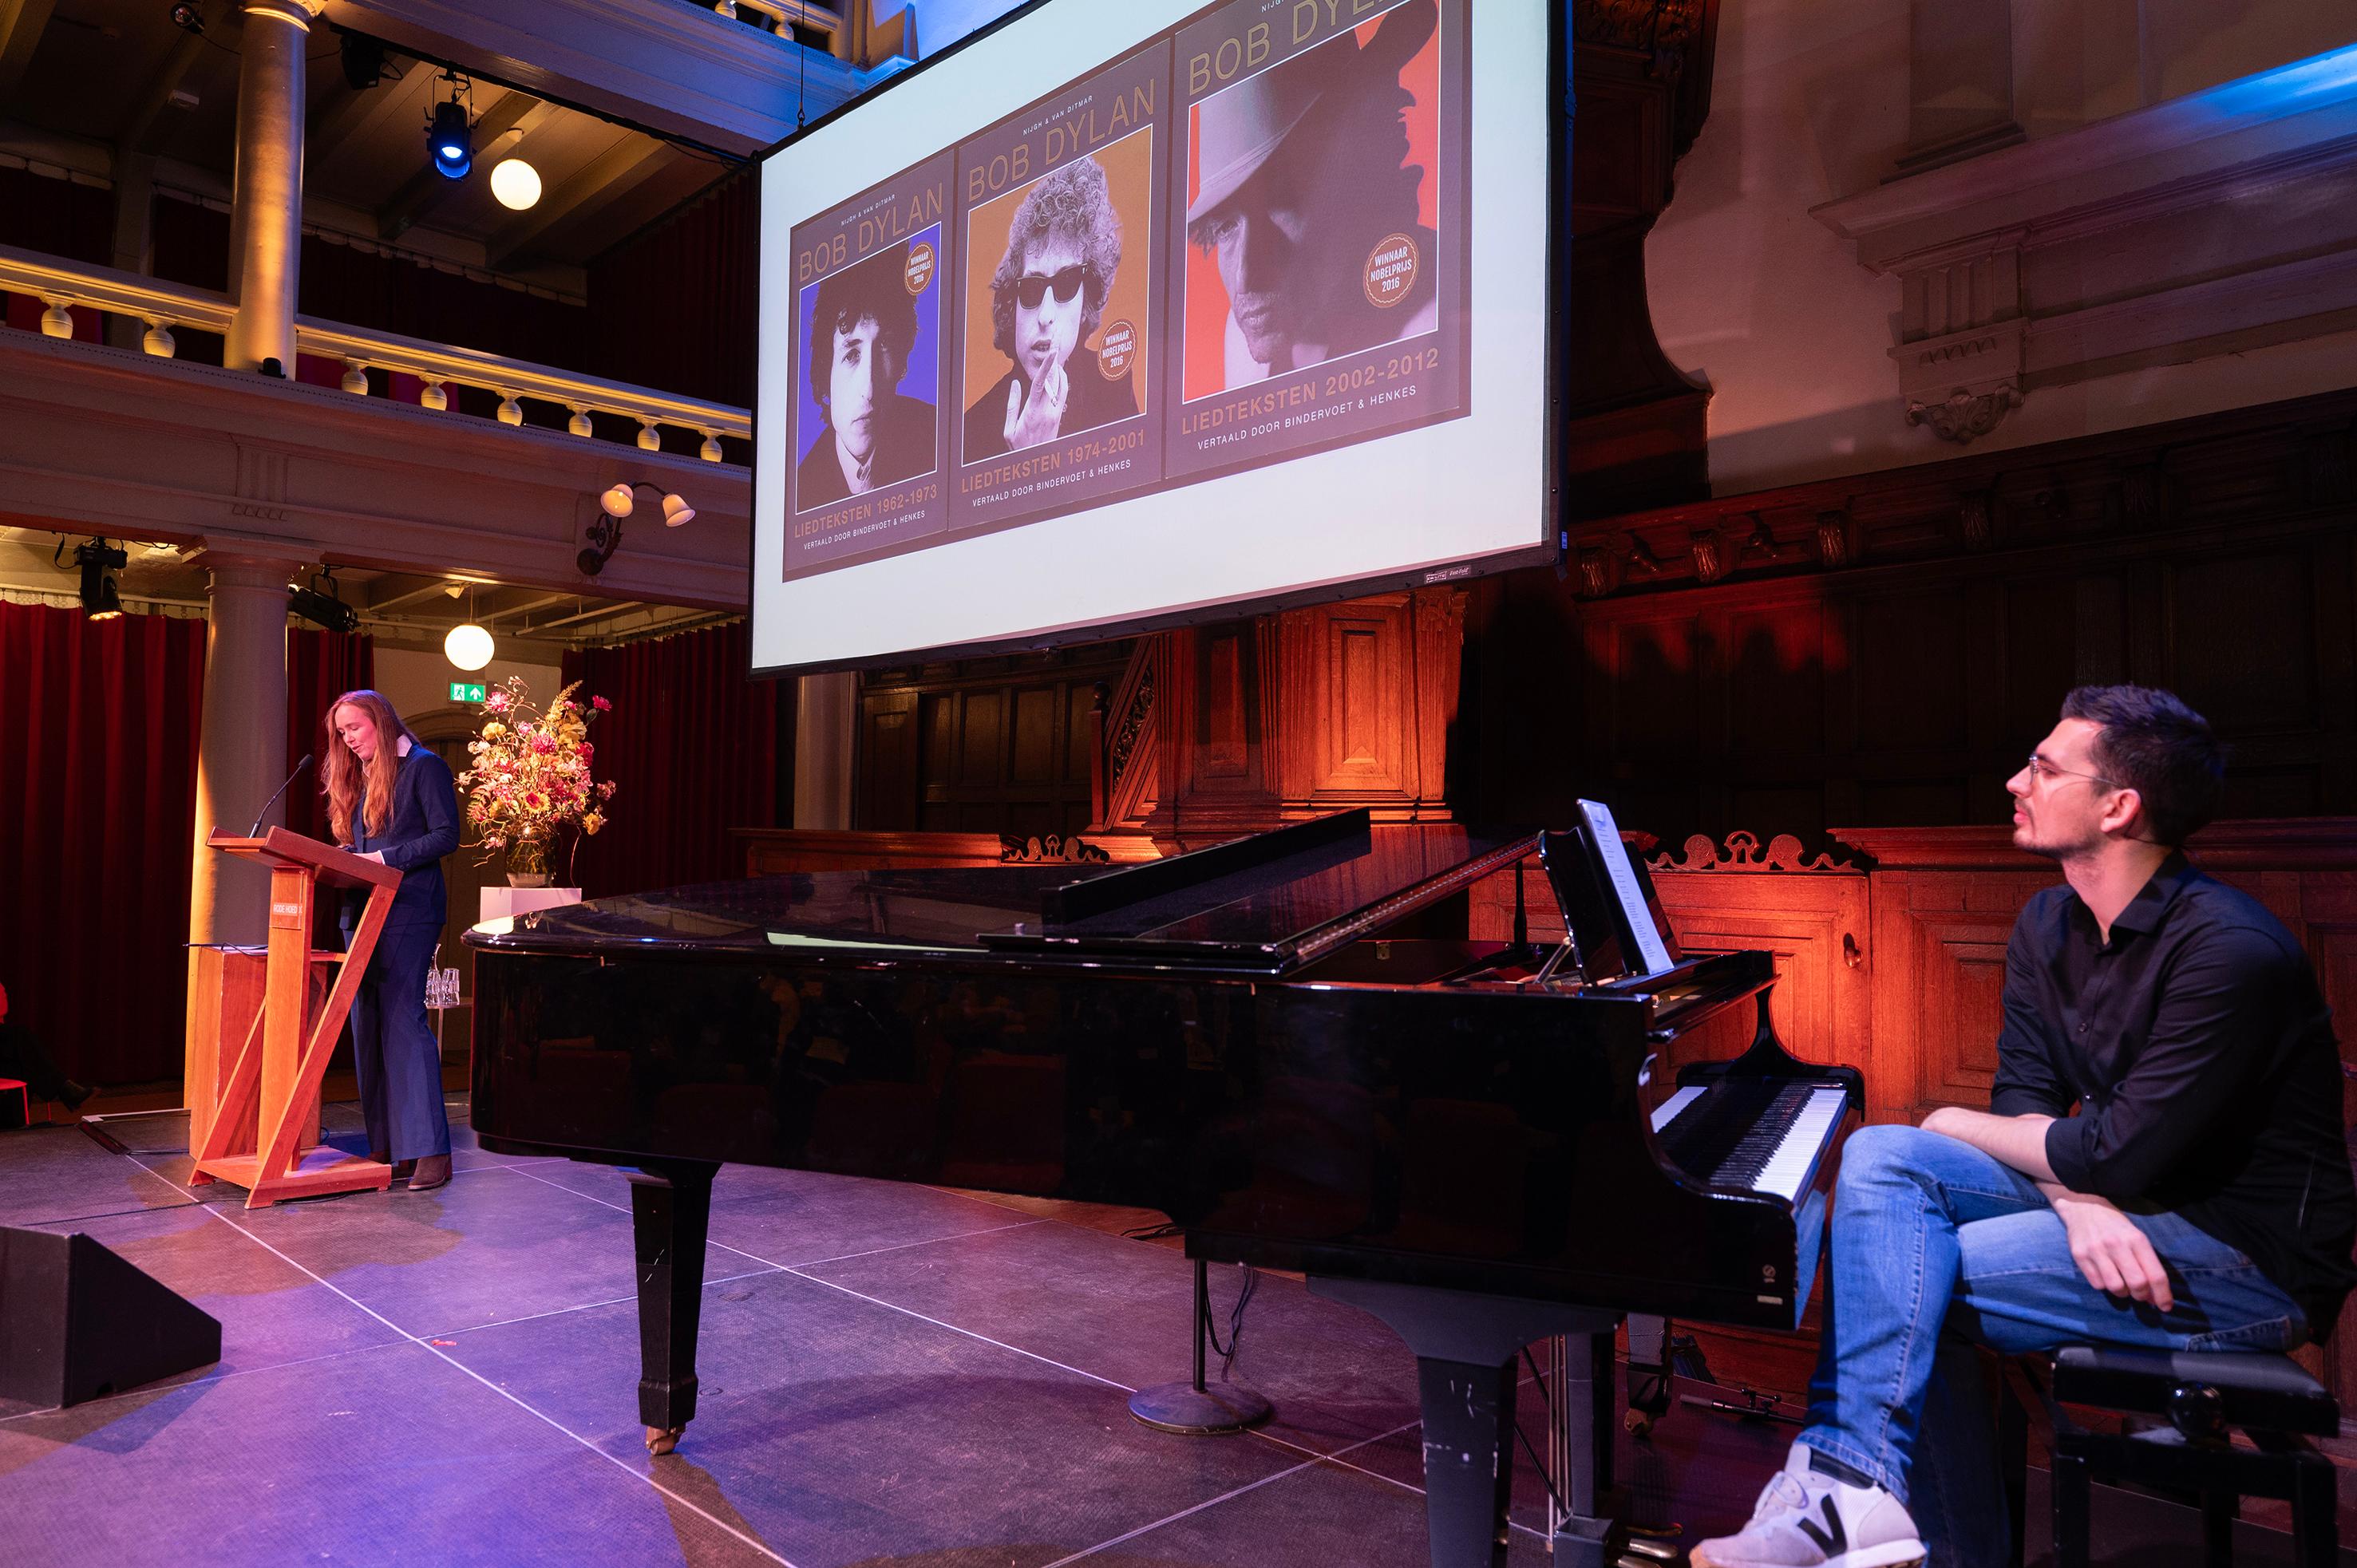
(989, 746)
(1258, 723)
(1881, 648)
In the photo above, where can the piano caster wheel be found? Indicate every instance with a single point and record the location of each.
(1636, 1423)
(662, 1440)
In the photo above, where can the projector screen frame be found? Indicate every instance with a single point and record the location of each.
(1548, 550)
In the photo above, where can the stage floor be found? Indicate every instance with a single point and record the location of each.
(891, 1375)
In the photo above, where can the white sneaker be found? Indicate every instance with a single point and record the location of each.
(1809, 1520)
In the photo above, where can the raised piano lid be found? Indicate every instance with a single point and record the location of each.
(1263, 905)
(1268, 904)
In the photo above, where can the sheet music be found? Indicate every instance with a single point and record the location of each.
(1598, 818)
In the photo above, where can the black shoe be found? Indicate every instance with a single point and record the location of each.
(75, 1094)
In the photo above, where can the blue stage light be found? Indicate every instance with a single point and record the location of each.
(451, 141)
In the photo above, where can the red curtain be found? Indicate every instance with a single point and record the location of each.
(695, 747)
(387, 294)
(320, 667)
(673, 305)
(98, 801)
(98, 727)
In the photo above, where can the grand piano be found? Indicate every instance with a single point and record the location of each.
(1279, 1042)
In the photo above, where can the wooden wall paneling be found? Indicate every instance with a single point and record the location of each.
(1815, 925)
(1437, 644)
(1959, 601)
(987, 745)
(890, 747)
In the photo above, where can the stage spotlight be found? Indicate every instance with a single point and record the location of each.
(468, 647)
(449, 138)
(515, 184)
(99, 598)
(187, 18)
(323, 610)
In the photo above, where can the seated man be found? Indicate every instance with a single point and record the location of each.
(2199, 1200)
(22, 1057)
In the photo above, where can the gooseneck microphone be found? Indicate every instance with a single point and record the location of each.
(274, 799)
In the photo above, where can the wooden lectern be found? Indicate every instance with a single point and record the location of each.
(247, 1125)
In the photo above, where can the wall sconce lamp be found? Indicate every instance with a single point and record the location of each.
(615, 503)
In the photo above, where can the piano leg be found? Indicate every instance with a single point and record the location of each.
(671, 1209)
(1469, 1459)
(1467, 1351)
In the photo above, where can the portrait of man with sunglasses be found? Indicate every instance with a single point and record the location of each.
(862, 326)
(1047, 299)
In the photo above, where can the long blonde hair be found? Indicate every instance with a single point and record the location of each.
(344, 780)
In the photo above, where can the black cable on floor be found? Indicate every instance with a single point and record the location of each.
(1227, 1353)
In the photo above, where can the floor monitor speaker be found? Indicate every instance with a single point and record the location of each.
(77, 1322)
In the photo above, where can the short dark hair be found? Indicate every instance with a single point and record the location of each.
(873, 290)
(2153, 744)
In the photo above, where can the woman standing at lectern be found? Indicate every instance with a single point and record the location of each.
(392, 801)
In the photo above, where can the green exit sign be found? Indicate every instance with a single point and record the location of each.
(466, 692)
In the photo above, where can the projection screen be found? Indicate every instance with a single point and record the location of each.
(1120, 316)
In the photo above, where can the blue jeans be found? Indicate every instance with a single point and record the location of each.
(1936, 1247)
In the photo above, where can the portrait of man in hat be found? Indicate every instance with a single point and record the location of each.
(1047, 299)
(862, 326)
(1300, 176)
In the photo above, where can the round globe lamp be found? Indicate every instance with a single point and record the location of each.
(515, 183)
(468, 647)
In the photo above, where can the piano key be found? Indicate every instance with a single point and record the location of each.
(1788, 1171)
(1668, 1110)
(1762, 1135)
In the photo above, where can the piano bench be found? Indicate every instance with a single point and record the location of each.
(2202, 1395)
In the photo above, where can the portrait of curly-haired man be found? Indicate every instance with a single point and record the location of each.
(1064, 351)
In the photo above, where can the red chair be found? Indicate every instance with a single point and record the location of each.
(24, 1100)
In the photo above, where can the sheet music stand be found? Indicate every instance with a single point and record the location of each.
(253, 1133)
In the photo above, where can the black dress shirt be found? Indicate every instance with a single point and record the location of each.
(422, 827)
(2200, 1056)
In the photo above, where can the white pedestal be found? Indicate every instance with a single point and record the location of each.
(502, 902)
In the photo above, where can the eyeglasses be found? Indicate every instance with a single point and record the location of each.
(1031, 288)
(2041, 769)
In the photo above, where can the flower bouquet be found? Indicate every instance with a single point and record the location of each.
(530, 778)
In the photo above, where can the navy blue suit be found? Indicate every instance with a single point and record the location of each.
(394, 1053)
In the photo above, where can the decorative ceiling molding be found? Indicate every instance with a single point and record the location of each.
(2217, 223)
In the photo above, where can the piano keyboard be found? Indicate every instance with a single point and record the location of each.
(1763, 1134)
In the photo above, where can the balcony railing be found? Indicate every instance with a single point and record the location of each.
(62, 284)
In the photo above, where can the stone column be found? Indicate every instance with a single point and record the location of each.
(241, 750)
(826, 727)
(265, 232)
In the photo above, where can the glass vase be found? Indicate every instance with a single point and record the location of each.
(527, 863)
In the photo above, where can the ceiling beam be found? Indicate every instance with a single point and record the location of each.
(22, 22)
(355, 119)
(527, 606)
(425, 588)
(611, 175)
(421, 191)
(154, 98)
